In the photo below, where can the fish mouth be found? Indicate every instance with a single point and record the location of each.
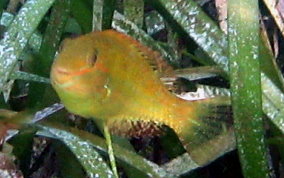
(62, 71)
(63, 77)
(60, 76)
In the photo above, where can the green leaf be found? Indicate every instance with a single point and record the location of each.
(246, 86)
(197, 25)
(41, 65)
(69, 165)
(90, 159)
(108, 10)
(18, 75)
(18, 34)
(72, 26)
(2, 4)
(197, 73)
(6, 19)
(273, 104)
(83, 14)
(98, 15)
(180, 165)
(122, 154)
(103, 14)
(204, 91)
(154, 22)
(35, 39)
(134, 11)
(120, 23)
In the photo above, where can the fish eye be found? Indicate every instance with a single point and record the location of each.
(92, 59)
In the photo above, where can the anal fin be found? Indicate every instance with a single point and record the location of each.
(134, 128)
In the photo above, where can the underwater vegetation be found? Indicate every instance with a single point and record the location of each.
(141, 88)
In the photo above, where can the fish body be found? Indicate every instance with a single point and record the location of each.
(109, 76)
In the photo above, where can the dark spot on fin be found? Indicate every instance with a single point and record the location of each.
(135, 128)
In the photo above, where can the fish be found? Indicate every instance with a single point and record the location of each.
(113, 79)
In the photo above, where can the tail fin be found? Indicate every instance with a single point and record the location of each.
(208, 133)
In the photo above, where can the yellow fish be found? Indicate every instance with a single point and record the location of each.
(110, 77)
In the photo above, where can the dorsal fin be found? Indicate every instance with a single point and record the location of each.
(154, 58)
